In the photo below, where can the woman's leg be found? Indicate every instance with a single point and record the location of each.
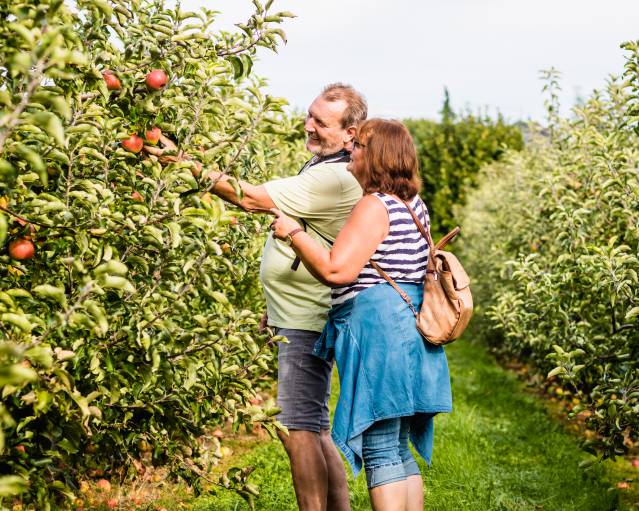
(414, 484)
(387, 485)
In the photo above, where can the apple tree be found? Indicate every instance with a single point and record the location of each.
(128, 295)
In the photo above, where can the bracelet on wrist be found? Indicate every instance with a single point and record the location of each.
(289, 236)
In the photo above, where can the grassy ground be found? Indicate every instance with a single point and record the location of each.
(499, 450)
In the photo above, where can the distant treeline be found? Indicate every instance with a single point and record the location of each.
(451, 152)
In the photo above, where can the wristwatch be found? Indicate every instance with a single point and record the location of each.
(289, 236)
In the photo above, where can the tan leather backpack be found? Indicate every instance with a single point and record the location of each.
(447, 305)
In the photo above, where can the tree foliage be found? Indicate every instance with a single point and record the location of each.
(551, 238)
(134, 325)
(450, 154)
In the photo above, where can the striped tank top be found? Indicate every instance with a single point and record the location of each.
(402, 255)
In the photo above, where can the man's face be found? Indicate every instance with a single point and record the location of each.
(323, 127)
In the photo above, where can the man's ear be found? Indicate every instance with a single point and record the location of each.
(350, 134)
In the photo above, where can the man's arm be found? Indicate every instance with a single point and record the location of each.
(255, 199)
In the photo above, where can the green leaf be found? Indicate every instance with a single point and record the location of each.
(556, 371)
(53, 292)
(12, 485)
(632, 313)
(238, 66)
(220, 297)
(114, 282)
(16, 374)
(103, 7)
(18, 320)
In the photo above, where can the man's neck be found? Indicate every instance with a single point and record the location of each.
(319, 158)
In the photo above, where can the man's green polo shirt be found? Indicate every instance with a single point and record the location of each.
(323, 195)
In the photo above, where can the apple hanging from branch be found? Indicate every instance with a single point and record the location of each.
(21, 249)
(156, 79)
(133, 144)
(153, 135)
(112, 81)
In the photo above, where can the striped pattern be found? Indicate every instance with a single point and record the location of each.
(402, 255)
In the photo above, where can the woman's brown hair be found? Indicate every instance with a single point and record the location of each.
(390, 158)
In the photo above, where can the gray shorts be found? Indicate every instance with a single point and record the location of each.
(303, 382)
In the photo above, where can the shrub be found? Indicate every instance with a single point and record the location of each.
(551, 239)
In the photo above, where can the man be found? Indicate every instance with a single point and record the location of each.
(321, 196)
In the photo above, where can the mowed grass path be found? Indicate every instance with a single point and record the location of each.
(499, 450)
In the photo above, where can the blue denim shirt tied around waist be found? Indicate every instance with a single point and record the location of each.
(386, 369)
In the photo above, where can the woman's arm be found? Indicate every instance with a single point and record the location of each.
(365, 229)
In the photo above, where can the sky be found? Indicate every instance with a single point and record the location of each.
(401, 54)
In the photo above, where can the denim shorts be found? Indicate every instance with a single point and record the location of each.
(387, 458)
(303, 382)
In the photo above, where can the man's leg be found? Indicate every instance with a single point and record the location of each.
(338, 499)
(303, 390)
(308, 469)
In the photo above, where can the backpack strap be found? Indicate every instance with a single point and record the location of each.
(386, 277)
(430, 264)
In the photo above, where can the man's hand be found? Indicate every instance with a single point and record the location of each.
(171, 154)
(168, 154)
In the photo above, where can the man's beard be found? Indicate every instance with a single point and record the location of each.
(325, 148)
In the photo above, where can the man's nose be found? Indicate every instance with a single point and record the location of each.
(309, 125)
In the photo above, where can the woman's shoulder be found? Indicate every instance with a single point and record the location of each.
(392, 205)
(369, 210)
(372, 202)
(383, 198)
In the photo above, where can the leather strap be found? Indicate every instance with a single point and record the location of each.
(430, 264)
(395, 286)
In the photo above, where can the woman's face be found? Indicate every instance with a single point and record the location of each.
(356, 165)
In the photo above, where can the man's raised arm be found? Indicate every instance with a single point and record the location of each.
(255, 198)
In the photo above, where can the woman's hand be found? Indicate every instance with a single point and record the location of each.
(282, 224)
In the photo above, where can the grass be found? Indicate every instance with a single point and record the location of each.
(499, 450)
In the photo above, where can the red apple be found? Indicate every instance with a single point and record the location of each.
(103, 485)
(112, 503)
(112, 81)
(156, 79)
(21, 249)
(153, 135)
(133, 144)
(623, 485)
(137, 197)
(20, 448)
(635, 463)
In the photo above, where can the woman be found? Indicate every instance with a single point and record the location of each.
(392, 383)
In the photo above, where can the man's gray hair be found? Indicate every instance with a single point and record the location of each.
(356, 107)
